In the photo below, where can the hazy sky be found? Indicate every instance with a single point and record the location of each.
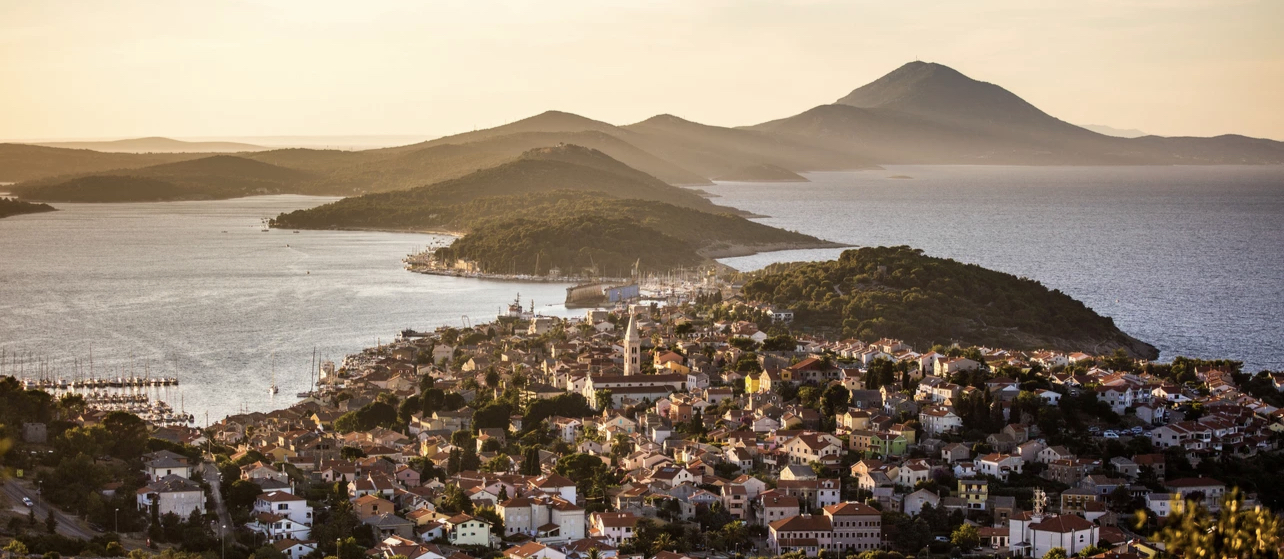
(244, 68)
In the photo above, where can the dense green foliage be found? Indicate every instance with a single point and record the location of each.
(13, 206)
(573, 243)
(1236, 530)
(554, 215)
(899, 292)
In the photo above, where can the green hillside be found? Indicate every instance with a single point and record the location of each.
(575, 243)
(899, 292)
(10, 206)
(567, 207)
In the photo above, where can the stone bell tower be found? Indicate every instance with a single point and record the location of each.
(632, 348)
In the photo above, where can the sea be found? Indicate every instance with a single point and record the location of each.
(1190, 259)
(197, 290)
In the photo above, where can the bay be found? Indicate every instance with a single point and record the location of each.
(139, 286)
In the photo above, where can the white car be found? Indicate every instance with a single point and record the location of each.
(27, 501)
(1110, 435)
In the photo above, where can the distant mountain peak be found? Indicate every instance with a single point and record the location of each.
(666, 118)
(941, 92)
(553, 120)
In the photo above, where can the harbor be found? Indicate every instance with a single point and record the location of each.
(143, 395)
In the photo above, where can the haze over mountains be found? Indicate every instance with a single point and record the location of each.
(156, 145)
(920, 113)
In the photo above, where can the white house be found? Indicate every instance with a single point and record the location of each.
(166, 463)
(172, 494)
(1000, 465)
(1035, 535)
(939, 419)
(548, 520)
(463, 529)
(294, 549)
(617, 527)
(280, 516)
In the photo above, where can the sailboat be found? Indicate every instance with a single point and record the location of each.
(272, 388)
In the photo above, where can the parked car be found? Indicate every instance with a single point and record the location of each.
(1110, 435)
(27, 501)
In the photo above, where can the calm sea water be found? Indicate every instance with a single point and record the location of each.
(140, 285)
(1190, 259)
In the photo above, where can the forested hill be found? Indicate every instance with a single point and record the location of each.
(899, 292)
(566, 207)
(11, 206)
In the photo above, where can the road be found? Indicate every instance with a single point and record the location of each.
(212, 476)
(67, 526)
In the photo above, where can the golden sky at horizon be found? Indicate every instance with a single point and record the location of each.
(244, 68)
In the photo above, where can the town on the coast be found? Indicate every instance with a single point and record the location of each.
(707, 426)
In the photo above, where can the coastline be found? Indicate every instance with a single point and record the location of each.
(722, 250)
(733, 250)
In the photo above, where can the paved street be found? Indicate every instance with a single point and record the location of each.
(67, 526)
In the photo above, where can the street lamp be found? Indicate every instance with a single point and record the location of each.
(117, 517)
(223, 533)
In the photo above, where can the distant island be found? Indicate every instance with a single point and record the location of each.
(567, 210)
(764, 172)
(215, 177)
(899, 292)
(13, 206)
(156, 145)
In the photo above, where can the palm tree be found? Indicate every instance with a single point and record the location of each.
(662, 542)
(593, 553)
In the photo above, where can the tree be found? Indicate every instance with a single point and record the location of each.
(489, 514)
(51, 523)
(350, 549)
(242, 493)
(966, 536)
(16, 547)
(456, 500)
(128, 434)
(1235, 531)
(604, 399)
(834, 399)
(662, 542)
(1056, 553)
(495, 415)
(1092, 550)
(268, 552)
(530, 462)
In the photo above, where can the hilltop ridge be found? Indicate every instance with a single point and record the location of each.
(899, 292)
